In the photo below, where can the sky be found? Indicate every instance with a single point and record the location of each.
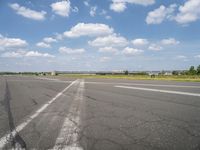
(99, 35)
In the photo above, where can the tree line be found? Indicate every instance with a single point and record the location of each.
(192, 71)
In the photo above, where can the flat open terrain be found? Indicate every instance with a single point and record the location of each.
(182, 78)
(98, 114)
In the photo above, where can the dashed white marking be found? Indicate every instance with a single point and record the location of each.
(68, 136)
(5, 139)
(161, 91)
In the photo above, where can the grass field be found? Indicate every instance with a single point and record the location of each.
(138, 77)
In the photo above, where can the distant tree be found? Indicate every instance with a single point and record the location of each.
(175, 72)
(192, 70)
(126, 72)
(198, 70)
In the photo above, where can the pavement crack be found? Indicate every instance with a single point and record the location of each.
(16, 140)
(34, 101)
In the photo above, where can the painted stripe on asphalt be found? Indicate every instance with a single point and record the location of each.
(161, 91)
(5, 139)
(156, 85)
(68, 136)
(124, 83)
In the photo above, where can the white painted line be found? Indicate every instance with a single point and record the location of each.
(5, 139)
(47, 79)
(156, 85)
(68, 136)
(161, 91)
(53, 80)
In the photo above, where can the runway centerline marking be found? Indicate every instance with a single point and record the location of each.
(68, 136)
(5, 139)
(157, 90)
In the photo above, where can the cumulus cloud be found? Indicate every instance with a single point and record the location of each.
(43, 45)
(120, 5)
(49, 40)
(108, 50)
(128, 51)
(140, 42)
(28, 13)
(158, 15)
(61, 8)
(88, 29)
(170, 41)
(189, 12)
(22, 53)
(105, 59)
(66, 50)
(93, 11)
(109, 41)
(6, 42)
(155, 47)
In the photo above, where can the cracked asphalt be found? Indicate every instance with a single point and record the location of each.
(106, 117)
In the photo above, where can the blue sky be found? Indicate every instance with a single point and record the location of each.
(99, 35)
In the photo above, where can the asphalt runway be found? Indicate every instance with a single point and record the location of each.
(98, 114)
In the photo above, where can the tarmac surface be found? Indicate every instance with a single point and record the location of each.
(98, 114)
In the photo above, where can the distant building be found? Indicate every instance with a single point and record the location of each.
(168, 73)
(53, 73)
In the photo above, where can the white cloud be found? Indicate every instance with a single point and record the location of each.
(158, 15)
(103, 12)
(170, 41)
(108, 50)
(61, 8)
(49, 40)
(140, 42)
(128, 51)
(12, 42)
(181, 57)
(197, 56)
(28, 13)
(75, 9)
(11, 55)
(93, 11)
(109, 41)
(155, 47)
(138, 2)
(86, 3)
(105, 59)
(21, 53)
(58, 36)
(108, 17)
(66, 50)
(89, 29)
(37, 54)
(43, 45)
(120, 5)
(189, 12)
